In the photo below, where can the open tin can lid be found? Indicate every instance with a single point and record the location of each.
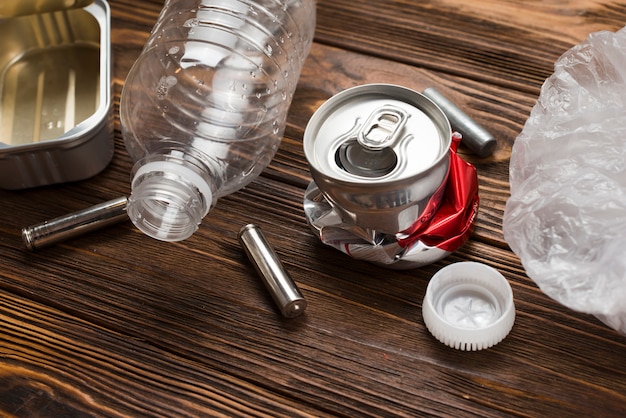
(12, 8)
(469, 306)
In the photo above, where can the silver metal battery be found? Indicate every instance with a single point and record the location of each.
(281, 286)
(475, 137)
(379, 153)
(77, 223)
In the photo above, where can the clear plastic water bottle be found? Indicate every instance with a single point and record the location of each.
(203, 109)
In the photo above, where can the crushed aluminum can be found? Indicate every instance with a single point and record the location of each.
(388, 186)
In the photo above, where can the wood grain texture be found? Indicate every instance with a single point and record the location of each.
(114, 324)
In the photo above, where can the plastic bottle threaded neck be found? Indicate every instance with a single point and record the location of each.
(168, 200)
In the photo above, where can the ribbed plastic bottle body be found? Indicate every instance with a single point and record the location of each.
(210, 92)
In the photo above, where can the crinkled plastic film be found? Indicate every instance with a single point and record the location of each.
(566, 217)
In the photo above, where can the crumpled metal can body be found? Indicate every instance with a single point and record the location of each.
(409, 232)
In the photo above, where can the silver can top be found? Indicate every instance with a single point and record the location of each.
(376, 133)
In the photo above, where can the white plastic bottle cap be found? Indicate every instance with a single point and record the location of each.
(469, 306)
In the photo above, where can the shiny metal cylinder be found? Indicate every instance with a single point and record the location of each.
(475, 137)
(281, 286)
(379, 153)
(75, 224)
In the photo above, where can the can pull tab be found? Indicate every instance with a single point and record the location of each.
(370, 154)
(382, 128)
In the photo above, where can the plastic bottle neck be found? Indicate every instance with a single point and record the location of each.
(169, 198)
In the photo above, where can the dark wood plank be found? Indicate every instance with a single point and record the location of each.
(222, 319)
(55, 365)
(509, 44)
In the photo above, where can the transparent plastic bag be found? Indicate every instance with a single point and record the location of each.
(566, 217)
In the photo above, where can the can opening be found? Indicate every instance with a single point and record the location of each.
(360, 161)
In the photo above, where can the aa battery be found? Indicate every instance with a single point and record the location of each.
(75, 224)
(277, 280)
(475, 137)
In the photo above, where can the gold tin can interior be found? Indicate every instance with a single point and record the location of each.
(14, 8)
(55, 95)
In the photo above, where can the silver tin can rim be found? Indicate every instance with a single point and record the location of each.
(390, 91)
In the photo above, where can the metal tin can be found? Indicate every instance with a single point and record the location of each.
(56, 118)
(380, 154)
(12, 8)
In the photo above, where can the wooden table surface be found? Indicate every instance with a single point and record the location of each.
(117, 324)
